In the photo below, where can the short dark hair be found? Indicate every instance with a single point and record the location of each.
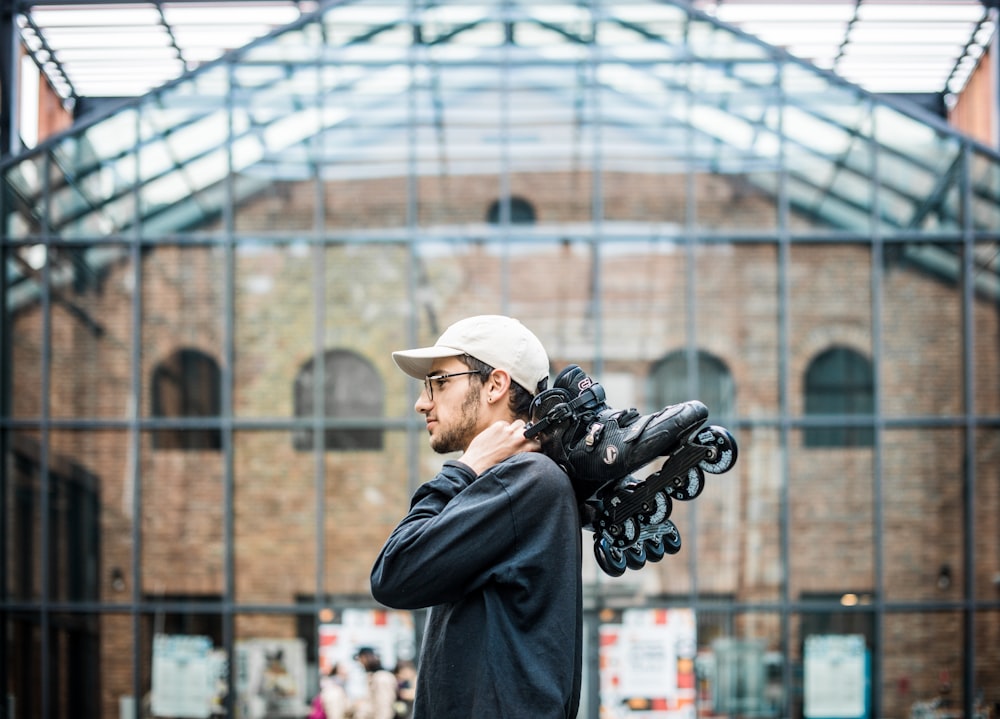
(520, 398)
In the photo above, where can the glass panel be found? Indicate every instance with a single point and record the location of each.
(274, 496)
(922, 319)
(91, 331)
(183, 519)
(23, 527)
(930, 151)
(710, 554)
(644, 286)
(183, 294)
(274, 669)
(90, 657)
(986, 681)
(182, 163)
(984, 175)
(367, 493)
(923, 514)
(275, 307)
(923, 663)
(182, 661)
(276, 126)
(834, 649)
(117, 648)
(24, 321)
(636, 194)
(739, 664)
(831, 500)
(79, 503)
(74, 654)
(23, 649)
(22, 200)
(95, 197)
(724, 277)
(91, 489)
(986, 326)
(830, 288)
(367, 315)
(987, 507)
(735, 525)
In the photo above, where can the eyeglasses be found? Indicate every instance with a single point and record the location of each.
(430, 380)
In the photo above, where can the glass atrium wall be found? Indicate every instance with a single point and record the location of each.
(205, 440)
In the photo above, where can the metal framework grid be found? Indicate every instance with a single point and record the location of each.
(951, 204)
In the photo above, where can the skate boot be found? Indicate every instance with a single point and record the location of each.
(596, 444)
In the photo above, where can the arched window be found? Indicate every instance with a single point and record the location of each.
(352, 389)
(522, 212)
(187, 384)
(669, 383)
(839, 382)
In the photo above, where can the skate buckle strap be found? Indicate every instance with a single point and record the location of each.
(557, 414)
(593, 435)
(637, 430)
(566, 410)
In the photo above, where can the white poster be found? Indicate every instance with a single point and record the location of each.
(647, 665)
(185, 674)
(835, 681)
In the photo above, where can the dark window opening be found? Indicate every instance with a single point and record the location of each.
(669, 383)
(352, 390)
(187, 384)
(522, 212)
(839, 382)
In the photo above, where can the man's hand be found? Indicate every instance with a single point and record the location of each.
(496, 443)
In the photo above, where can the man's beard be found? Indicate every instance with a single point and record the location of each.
(458, 437)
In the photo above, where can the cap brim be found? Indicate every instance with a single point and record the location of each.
(417, 363)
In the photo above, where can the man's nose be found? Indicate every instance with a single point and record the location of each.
(423, 403)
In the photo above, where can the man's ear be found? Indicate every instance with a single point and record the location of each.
(498, 383)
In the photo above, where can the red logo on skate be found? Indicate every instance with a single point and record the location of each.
(610, 454)
(584, 383)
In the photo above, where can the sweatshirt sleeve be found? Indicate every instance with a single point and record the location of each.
(458, 529)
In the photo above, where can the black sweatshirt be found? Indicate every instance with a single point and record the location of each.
(497, 558)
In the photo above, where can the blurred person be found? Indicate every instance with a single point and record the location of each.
(406, 685)
(332, 697)
(379, 700)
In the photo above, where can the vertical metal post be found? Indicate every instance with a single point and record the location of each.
(134, 430)
(228, 533)
(9, 79)
(971, 427)
(44, 480)
(877, 259)
(784, 393)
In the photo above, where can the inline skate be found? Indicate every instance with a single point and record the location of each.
(600, 448)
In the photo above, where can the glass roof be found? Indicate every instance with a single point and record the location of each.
(109, 48)
(380, 89)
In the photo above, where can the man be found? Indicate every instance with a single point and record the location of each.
(492, 544)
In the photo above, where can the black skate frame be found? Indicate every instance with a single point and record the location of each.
(630, 516)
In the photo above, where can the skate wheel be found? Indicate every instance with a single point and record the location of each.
(662, 507)
(688, 487)
(724, 450)
(635, 556)
(671, 538)
(655, 549)
(630, 530)
(609, 558)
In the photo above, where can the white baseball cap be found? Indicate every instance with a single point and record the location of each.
(501, 342)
